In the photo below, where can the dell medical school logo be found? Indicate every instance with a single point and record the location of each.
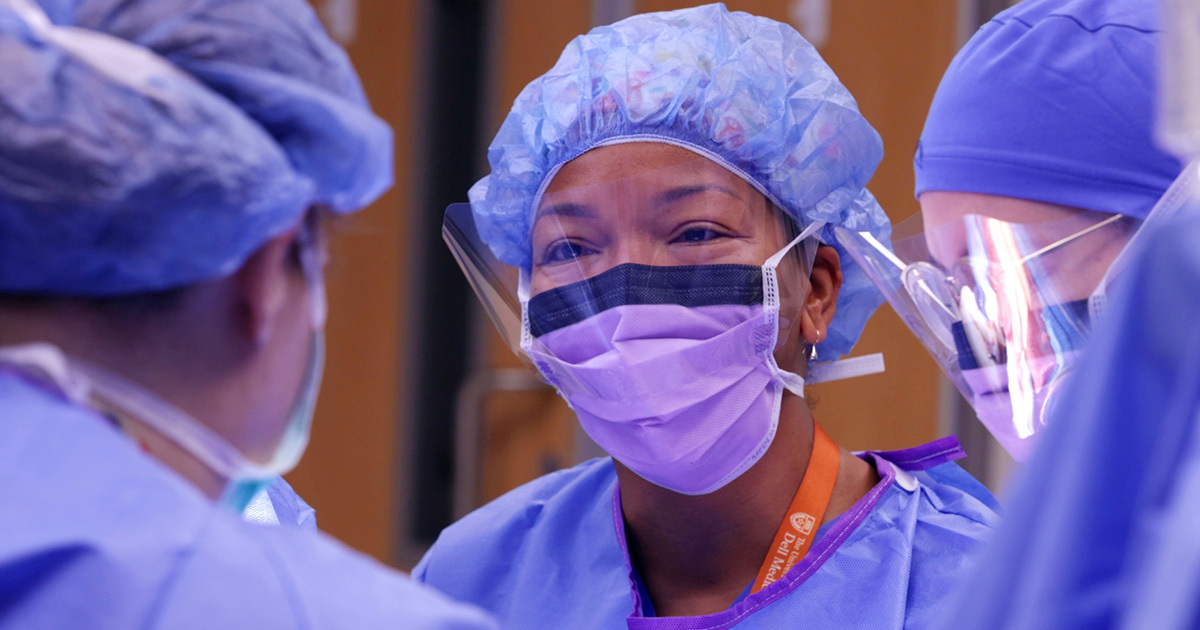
(803, 523)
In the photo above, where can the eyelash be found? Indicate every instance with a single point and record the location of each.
(557, 252)
(707, 230)
(578, 250)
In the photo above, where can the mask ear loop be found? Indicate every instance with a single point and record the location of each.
(523, 297)
(48, 365)
(837, 370)
(770, 278)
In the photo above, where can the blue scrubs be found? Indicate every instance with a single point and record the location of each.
(1103, 527)
(552, 554)
(95, 534)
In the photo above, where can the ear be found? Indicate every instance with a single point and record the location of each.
(821, 303)
(261, 286)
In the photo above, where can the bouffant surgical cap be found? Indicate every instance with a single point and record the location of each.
(1053, 101)
(747, 92)
(152, 144)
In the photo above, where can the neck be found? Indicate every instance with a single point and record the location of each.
(696, 554)
(80, 337)
(178, 459)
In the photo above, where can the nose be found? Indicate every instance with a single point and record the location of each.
(636, 247)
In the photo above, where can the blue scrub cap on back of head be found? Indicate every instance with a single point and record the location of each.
(151, 144)
(1053, 101)
(745, 91)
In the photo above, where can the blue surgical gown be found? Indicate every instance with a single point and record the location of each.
(1103, 526)
(95, 534)
(552, 554)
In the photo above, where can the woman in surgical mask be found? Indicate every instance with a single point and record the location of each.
(655, 238)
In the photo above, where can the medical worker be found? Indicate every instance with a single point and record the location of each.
(652, 238)
(1035, 169)
(1101, 529)
(167, 169)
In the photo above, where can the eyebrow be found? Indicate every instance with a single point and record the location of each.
(681, 192)
(565, 210)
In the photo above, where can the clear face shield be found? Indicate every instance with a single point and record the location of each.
(665, 307)
(1003, 307)
(643, 240)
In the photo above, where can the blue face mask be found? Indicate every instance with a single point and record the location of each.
(242, 488)
(248, 481)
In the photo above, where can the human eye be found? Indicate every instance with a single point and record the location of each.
(564, 251)
(699, 234)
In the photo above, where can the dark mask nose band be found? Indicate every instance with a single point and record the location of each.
(691, 286)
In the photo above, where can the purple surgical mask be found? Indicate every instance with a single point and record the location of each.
(670, 369)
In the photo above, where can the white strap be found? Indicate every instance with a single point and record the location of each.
(80, 382)
(812, 229)
(47, 364)
(846, 368)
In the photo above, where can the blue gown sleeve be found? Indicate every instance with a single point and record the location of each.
(953, 475)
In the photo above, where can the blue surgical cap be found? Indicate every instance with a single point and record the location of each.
(747, 92)
(1053, 101)
(152, 144)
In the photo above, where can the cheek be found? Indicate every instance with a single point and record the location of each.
(789, 350)
(730, 251)
(553, 276)
(947, 243)
(277, 391)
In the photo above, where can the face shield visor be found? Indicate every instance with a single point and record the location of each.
(665, 307)
(643, 240)
(1003, 307)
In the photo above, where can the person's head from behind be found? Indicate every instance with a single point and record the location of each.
(163, 207)
(1036, 166)
(667, 223)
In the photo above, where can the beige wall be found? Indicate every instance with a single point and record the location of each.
(891, 55)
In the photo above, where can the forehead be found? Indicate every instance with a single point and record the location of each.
(639, 165)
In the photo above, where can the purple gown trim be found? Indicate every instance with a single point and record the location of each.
(926, 456)
(915, 459)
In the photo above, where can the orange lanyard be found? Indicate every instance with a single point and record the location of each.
(796, 533)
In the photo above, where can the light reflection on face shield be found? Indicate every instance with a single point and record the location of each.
(1002, 306)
